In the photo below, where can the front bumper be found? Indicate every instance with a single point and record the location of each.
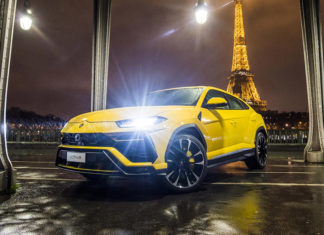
(106, 161)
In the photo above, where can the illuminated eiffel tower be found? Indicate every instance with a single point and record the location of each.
(241, 80)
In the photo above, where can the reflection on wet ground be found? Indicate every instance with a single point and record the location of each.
(285, 198)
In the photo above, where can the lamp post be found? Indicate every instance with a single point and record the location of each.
(201, 12)
(26, 19)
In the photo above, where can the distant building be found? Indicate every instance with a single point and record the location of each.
(241, 81)
(285, 120)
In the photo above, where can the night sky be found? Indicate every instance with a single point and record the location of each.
(155, 44)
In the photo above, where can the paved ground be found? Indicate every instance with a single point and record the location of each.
(285, 198)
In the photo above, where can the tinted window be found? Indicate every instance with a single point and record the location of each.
(212, 94)
(182, 97)
(234, 103)
(244, 105)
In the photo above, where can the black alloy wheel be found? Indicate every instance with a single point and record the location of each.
(261, 149)
(187, 164)
(259, 160)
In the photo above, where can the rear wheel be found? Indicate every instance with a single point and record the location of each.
(259, 160)
(187, 164)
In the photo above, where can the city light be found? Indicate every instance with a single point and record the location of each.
(26, 20)
(201, 12)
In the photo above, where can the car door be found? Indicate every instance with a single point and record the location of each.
(240, 117)
(218, 124)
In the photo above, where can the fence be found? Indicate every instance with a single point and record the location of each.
(288, 136)
(54, 135)
(34, 135)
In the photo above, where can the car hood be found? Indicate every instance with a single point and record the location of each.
(116, 114)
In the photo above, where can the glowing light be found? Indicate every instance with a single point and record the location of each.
(140, 123)
(168, 33)
(201, 12)
(226, 4)
(26, 22)
(4, 127)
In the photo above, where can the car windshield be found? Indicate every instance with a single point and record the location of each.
(181, 97)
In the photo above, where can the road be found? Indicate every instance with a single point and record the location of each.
(285, 198)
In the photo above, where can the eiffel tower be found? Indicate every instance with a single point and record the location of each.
(241, 81)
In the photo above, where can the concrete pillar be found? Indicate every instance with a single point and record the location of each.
(7, 16)
(313, 55)
(100, 57)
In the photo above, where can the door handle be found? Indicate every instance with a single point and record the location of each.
(233, 123)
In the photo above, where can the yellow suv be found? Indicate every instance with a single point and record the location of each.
(177, 135)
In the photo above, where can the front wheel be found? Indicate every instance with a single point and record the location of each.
(187, 164)
(259, 160)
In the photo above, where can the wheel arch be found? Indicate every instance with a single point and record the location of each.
(261, 129)
(191, 129)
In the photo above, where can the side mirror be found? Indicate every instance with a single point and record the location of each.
(216, 102)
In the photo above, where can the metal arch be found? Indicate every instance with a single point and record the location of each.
(183, 128)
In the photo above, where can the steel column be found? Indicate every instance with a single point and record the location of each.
(7, 15)
(313, 56)
(100, 59)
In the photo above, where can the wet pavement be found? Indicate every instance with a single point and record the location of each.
(285, 198)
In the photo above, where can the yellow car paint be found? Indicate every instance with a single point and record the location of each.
(224, 131)
(119, 156)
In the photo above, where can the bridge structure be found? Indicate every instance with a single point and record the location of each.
(313, 56)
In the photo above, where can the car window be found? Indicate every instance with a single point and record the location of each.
(244, 105)
(181, 96)
(214, 94)
(234, 103)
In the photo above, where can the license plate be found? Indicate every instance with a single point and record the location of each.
(76, 157)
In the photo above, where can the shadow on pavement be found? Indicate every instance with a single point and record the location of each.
(116, 190)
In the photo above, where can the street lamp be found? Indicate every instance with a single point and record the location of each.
(201, 12)
(26, 19)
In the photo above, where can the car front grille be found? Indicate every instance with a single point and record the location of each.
(135, 146)
(87, 139)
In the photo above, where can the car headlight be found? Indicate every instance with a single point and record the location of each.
(140, 122)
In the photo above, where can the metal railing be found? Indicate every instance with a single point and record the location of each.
(54, 135)
(288, 136)
(34, 135)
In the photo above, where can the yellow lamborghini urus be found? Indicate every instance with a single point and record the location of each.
(177, 135)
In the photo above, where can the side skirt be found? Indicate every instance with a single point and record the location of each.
(235, 156)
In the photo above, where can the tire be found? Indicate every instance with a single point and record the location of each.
(98, 179)
(187, 164)
(259, 160)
